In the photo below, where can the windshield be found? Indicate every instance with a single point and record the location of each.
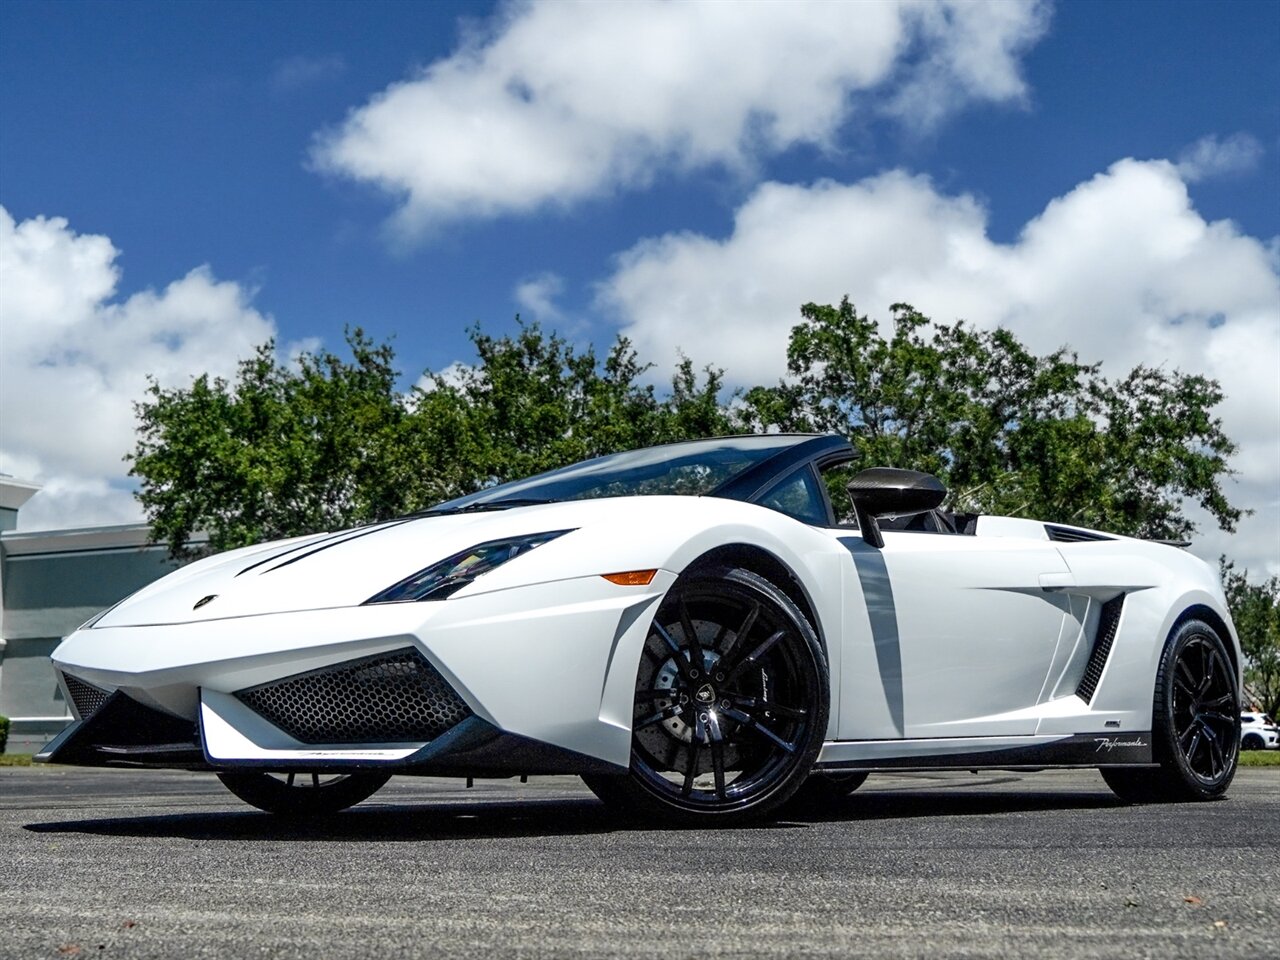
(687, 469)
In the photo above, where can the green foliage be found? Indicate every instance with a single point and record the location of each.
(1255, 610)
(1260, 758)
(1010, 432)
(327, 443)
(285, 450)
(532, 403)
(4, 731)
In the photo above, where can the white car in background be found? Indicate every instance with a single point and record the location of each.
(1258, 732)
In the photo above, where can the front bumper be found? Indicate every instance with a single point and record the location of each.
(546, 674)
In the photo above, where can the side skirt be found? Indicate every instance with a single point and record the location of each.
(1080, 750)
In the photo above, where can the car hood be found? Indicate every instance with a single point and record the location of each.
(327, 570)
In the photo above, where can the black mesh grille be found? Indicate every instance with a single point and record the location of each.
(389, 698)
(1067, 535)
(87, 698)
(1108, 621)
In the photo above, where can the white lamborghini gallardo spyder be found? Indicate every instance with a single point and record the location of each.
(699, 630)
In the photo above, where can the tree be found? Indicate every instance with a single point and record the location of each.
(1255, 610)
(1009, 431)
(283, 450)
(327, 443)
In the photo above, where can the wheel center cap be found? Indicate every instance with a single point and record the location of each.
(706, 694)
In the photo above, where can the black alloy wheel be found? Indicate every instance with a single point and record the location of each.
(731, 704)
(302, 793)
(1252, 741)
(1196, 723)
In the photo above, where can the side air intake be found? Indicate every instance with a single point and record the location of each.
(395, 697)
(1108, 621)
(87, 698)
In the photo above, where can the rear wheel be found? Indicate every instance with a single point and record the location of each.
(1195, 723)
(303, 793)
(731, 704)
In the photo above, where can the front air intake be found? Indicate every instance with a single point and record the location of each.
(393, 697)
(87, 698)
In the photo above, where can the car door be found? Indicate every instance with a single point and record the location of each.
(964, 630)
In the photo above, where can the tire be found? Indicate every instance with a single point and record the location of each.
(302, 794)
(822, 791)
(731, 705)
(1195, 735)
(1252, 741)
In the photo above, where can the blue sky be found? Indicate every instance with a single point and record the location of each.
(417, 168)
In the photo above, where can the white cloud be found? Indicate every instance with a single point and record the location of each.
(537, 295)
(1211, 157)
(564, 101)
(75, 359)
(1122, 268)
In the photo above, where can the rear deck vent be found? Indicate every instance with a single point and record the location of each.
(87, 698)
(393, 697)
(1108, 621)
(1069, 535)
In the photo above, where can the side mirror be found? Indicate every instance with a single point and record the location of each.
(889, 492)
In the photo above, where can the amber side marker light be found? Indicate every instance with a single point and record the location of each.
(632, 578)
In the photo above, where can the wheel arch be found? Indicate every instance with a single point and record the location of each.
(1210, 616)
(768, 565)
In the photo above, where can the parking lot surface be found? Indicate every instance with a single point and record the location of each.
(166, 864)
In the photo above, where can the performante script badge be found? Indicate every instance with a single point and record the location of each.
(1111, 743)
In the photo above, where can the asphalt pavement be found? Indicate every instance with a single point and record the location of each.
(114, 863)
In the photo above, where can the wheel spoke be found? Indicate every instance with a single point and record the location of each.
(1220, 671)
(1217, 762)
(755, 654)
(750, 703)
(717, 751)
(1215, 716)
(749, 621)
(1195, 746)
(751, 723)
(678, 655)
(1227, 699)
(1186, 734)
(1206, 669)
(695, 751)
(1188, 682)
(696, 657)
(315, 780)
(289, 781)
(666, 713)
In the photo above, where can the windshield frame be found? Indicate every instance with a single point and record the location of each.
(780, 454)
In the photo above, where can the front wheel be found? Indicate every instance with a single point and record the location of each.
(731, 703)
(1252, 742)
(302, 794)
(1195, 723)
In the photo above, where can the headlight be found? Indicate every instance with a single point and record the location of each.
(450, 575)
